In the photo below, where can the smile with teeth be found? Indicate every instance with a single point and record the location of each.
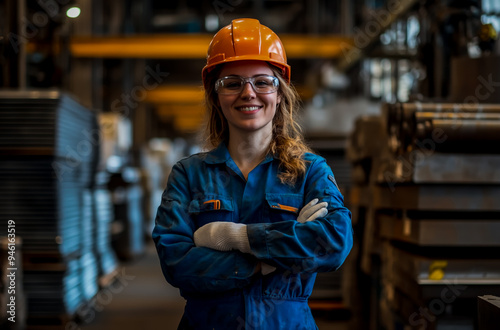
(252, 108)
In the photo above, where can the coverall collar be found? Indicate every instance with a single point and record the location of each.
(221, 155)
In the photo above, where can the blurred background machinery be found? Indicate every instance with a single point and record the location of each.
(488, 312)
(98, 99)
(425, 193)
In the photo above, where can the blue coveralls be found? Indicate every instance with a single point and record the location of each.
(225, 290)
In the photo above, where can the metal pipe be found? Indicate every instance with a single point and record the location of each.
(450, 107)
(456, 116)
(463, 130)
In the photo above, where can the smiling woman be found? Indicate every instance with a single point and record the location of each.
(249, 111)
(243, 229)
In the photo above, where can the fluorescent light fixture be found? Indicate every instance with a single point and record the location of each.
(73, 12)
(211, 22)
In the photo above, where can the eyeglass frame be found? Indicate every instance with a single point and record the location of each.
(276, 84)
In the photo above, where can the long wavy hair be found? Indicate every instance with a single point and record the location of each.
(287, 143)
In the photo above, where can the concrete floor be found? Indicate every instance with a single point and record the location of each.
(141, 299)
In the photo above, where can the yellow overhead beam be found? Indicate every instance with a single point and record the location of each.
(304, 46)
(180, 110)
(141, 46)
(179, 94)
(180, 104)
(188, 124)
(194, 46)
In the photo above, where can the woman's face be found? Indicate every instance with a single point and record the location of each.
(248, 111)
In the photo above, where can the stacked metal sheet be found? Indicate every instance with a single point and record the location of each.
(48, 146)
(47, 209)
(434, 288)
(48, 155)
(103, 216)
(88, 261)
(427, 189)
(89, 275)
(53, 292)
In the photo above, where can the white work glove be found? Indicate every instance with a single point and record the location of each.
(223, 236)
(226, 236)
(312, 210)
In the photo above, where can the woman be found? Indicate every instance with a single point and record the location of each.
(228, 232)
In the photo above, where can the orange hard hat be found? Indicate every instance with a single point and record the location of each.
(246, 39)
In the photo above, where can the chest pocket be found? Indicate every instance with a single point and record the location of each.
(283, 207)
(210, 209)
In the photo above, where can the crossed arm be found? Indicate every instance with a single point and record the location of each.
(226, 236)
(318, 241)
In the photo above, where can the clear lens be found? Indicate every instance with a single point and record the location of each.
(235, 84)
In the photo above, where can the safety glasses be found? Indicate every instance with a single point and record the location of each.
(234, 84)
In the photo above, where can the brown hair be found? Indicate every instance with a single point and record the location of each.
(287, 143)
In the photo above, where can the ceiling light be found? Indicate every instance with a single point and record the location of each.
(73, 12)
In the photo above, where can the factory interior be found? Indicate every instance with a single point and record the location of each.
(99, 99)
